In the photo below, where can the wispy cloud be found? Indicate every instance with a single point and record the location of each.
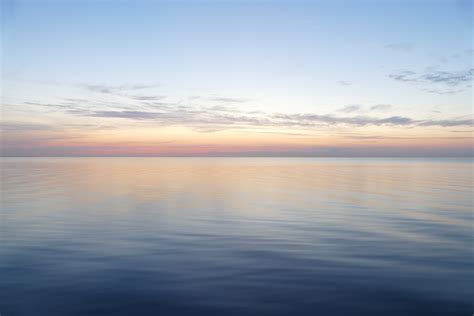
(133, 115)
(468, 131)
(356, 108)
(228, 100)
(405, 76)
(460, 80)
(448, 78)
(447, 123)
(206, 119)
(21, 126)
(147, 97)
(126, 91)
(436, 81)
(102, 88)
(385, 137)
(315, 119)
(380, 107)
(444, 91)
(207, 116)
(344, 83)
(350, 108)
(211, 118)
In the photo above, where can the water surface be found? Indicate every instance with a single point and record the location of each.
(236, 236)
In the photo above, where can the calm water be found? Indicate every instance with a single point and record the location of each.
(229, 236)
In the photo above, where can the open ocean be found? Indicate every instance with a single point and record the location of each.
(236, 236)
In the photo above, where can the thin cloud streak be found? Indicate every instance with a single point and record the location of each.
(344, 83)
(445, 77)
(20, 126)
(216, 119)
(350, 108)
(228, 100)
(115, 89)
(380, 107)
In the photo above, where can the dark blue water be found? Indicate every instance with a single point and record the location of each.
(228, 236)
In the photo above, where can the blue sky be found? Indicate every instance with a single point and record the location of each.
(410, 58)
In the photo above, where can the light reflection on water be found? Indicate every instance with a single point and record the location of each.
(236, 236)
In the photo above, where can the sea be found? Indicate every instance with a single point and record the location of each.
(236, 236)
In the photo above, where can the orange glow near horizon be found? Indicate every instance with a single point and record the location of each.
(181, 141)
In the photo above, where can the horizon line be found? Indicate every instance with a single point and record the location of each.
(238, 156)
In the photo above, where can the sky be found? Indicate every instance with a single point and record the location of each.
(236, 78)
